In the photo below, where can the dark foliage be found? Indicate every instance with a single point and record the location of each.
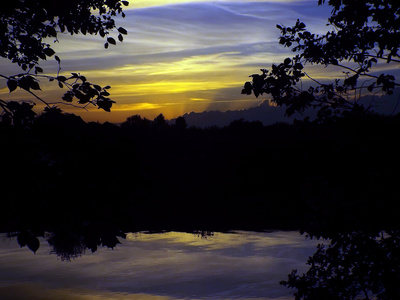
(356, 265)
(363, 34)
(24, 26)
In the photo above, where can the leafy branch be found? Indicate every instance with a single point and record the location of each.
(362, 36)
(23, 26)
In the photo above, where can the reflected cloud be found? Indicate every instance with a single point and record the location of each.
(169, 266)
(38, 292)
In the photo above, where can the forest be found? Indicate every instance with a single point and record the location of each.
(150, 175)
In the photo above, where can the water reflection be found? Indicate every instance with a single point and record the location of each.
(162, 266)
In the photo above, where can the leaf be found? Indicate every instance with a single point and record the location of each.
(33, 243)
(287, 61)
(298, 66)
(38, 70)
(122, 30)
(35, 85)
(120, 37)
(22, 239)
(25, 82)
(126, 3)
(68, 96)
(106, 45)
(302, 25)
(105, 104)
(83, 99)
(12, 85)
(49, 52)
(97, 87)
(61, 78)
(57, 59)
(51, 31)
(111, 40)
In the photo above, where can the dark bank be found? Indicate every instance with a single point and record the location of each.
(149, 175)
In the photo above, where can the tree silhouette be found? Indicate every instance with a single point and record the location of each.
(136, 122)
(356, 265)
(159, 122)
(364, 33)
(180, 123)
(24, 26)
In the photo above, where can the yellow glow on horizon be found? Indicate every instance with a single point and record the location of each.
(199, 99)
(137, 106)
(170, 87)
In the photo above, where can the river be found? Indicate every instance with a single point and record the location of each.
(161, 266)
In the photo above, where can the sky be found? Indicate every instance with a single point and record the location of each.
(167, 266)
(179, 56)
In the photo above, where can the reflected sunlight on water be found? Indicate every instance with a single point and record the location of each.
(162, 266)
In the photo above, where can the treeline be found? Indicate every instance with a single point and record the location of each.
(63, 173)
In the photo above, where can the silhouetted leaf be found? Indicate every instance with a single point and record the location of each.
(35, 85)
(22, 239)
(287, 61)
(51, 31)
(120, 37)
(38, 70)
(122, 30)
(25, 82)
(61, 78)
(111, 40)
(49, 51)
(33, 243)
(68, 96)
(106, 45)
(12, 85)
(105, 104)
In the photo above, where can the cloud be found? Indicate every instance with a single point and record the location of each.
(168, 266)
(151, 3)
(180, 50)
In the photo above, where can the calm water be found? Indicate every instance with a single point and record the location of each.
(166, 266)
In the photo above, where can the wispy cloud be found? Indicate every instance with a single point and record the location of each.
(183, 49)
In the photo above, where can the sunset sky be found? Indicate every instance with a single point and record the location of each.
(179, 56)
